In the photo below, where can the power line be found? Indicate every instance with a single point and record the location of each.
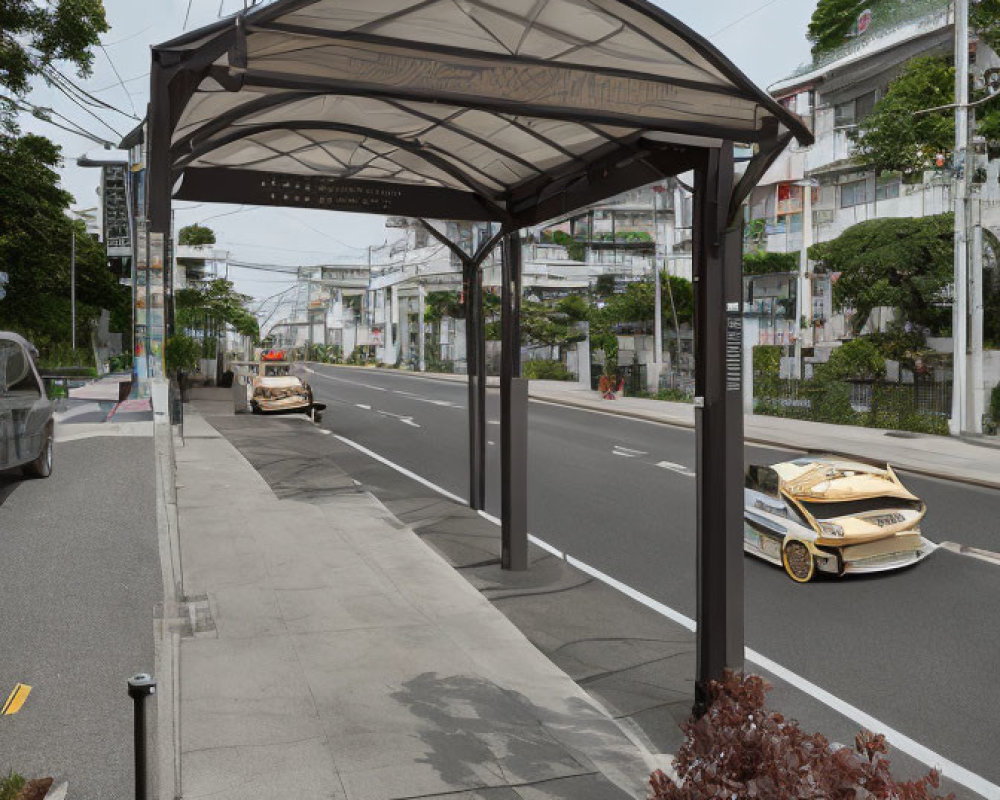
(120, 81)
(745, 16)
(80, 105)
(58, 78)
(41, 113)
(127, 80)
(324, 233)
(128, 38)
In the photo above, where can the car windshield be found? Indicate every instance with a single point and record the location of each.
(848, 508)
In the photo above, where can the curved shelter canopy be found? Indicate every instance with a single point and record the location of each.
(505, 110)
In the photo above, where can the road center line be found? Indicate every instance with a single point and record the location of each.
(900, 741)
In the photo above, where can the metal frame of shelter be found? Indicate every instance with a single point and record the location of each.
(499, 111)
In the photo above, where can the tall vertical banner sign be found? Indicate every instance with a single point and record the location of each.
(141, 366)
(155, 293)
(114, 197)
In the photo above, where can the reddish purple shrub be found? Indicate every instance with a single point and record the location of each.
(739, 749)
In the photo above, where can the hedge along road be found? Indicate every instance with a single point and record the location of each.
(915, 648)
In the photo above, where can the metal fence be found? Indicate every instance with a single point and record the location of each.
(919, 405)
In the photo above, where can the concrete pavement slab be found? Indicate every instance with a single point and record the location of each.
(300, 769)
(337, 630)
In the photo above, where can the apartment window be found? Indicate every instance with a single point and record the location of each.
(844, 115)
(854, 194)
(887, 190)
(864, 105)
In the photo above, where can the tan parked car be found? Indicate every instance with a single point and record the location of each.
(26, 426)
(270, 387)
(833, 515)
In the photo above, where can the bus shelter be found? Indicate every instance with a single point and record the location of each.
(508, 112)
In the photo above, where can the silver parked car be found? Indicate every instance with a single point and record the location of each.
(26, 426)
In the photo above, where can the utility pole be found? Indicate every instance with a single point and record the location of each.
(959, 315)
(421, 302)
(657, 298)
(803, 295)
(72, 280)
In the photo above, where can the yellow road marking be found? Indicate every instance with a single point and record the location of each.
(16, 699)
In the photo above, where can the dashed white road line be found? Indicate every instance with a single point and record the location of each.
(628, 452)
(362, 405)
(900, 741)
(678, 468)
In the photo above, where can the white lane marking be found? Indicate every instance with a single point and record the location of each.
(362, 405)
(628, 452)
(489, 442)
(972, 552)
(533, 539)
(898, 740)
(368, 386)
(404, 418)
(678, 468)
(399, 469)
(492, 422)
(325, 432)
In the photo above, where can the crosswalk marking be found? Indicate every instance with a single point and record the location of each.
(16, 699)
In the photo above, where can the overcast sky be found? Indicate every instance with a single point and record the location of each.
(764, 38)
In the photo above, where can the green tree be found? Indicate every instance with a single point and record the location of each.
(210, 306)
(904, 263)
(35, 248)
(892, 138)
(831, 22)
(438, 305)
(35, 35)
(195, 235)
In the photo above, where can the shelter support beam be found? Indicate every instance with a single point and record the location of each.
(475, 357)
(513, 416)
(159, 184)
(719, 423)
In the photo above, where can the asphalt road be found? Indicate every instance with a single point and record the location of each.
(79, 576)
(917, 649)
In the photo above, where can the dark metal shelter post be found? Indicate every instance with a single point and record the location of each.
(513, 416)
(494, 112)
(718, 253)
(475, 357)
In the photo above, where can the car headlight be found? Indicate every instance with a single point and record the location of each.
(831, 529)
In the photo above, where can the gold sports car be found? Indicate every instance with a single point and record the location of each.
(832, 515)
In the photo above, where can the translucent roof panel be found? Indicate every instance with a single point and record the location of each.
(495, 103)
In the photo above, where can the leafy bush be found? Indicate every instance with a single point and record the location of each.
(546, 370)
(858, 359)
(761, 262)
(740, 749)
(181, 353)
(895, 407)
(120, 363)
(766, 364)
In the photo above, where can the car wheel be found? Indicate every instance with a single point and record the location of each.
(798, 561)
(41, 467)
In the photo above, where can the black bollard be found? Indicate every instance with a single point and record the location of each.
(140, 687)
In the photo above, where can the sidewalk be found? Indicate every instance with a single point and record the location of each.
(334, 655)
